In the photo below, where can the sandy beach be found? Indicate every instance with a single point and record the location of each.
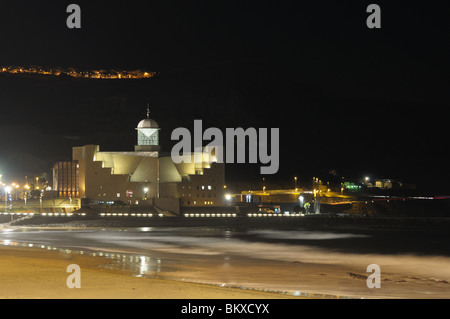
(27, 273)
(209, 263)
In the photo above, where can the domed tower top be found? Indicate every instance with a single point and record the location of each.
(148, 135)
(148, 122)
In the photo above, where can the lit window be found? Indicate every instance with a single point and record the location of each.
(203, 187)
(118, 195)
(209, 187)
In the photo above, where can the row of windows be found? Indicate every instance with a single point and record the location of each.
(199, 203)
(203, 187)
(198, 195)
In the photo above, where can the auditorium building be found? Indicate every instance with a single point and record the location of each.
(143, 177)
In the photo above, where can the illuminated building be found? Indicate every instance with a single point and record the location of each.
(393, 184)
(142, 177)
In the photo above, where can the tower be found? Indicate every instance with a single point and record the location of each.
(148, 135)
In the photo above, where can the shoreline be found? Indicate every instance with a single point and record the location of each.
(318, 222)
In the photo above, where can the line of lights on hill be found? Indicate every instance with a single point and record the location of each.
(86, 74)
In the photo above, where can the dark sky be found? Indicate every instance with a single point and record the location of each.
(345, 97)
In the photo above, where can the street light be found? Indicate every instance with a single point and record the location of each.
(7, 190)
(27, 187)
(40, 200)
(145, 192)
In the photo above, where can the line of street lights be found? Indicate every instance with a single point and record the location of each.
(8, 189)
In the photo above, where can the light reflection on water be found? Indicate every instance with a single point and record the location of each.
(138, 265)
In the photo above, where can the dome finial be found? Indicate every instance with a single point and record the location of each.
(148, 110)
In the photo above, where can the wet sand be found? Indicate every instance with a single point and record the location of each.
(27, 273)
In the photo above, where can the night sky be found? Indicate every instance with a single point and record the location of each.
(345, 97)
